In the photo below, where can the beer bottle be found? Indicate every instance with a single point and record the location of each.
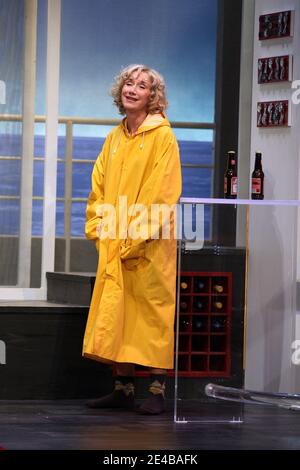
(230, 177)
(257, 179)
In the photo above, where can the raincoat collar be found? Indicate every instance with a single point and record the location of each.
(151, 122)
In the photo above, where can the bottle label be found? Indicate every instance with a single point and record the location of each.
(256, 185)
(234, 186)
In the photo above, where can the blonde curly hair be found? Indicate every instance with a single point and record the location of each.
(157, 101)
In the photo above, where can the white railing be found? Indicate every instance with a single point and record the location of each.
(69, 122)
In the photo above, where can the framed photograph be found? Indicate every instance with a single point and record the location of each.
(275, 69)
(273, 114)
(276, 25)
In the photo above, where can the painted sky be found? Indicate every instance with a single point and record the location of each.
(99, 37)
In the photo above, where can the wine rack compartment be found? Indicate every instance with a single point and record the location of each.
(205, 310)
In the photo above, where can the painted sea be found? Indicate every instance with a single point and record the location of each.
(196, 181)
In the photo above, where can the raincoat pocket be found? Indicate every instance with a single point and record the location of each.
(132, 263)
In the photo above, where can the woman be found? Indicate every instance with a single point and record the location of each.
(131, 315)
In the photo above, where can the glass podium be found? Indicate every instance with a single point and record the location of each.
(236, 308)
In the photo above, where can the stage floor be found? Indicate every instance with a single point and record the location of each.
(68, 424)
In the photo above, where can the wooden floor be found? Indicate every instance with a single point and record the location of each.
(54, 425)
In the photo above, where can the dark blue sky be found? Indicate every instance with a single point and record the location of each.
(176, 37)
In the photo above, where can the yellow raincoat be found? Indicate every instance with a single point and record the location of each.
(131, 317)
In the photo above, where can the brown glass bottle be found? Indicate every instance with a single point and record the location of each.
(257, 179)
(230, 176)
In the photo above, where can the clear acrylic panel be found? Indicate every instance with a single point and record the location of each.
(22, 78)
(236, 310)
(11, 97)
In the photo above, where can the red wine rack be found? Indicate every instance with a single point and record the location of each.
(205, 312)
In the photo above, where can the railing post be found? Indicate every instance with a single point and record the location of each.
(50, 168)
(68, 194)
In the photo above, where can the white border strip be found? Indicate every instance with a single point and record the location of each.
(18, 293)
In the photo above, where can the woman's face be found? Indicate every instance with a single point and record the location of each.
(136, 92)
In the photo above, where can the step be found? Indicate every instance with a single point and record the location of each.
(70, 288)
(43, 353)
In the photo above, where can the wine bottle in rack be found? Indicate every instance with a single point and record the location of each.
(198, 305)
(218, 305)
(184, 324)
(183, 305)
(230, 176)
(199, 285)
(218, 325)
(184, 285)
(218, 288)
(198, 324)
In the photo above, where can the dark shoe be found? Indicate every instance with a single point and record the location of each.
(154, 405)
(116, 399)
